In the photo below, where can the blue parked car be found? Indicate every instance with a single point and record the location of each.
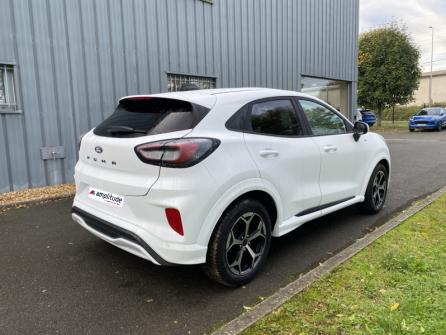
(367, 116)
(428, 118)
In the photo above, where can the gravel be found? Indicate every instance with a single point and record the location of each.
(23, 198)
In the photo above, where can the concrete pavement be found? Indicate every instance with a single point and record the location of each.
(57, 278)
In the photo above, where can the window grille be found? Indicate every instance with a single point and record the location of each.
(175, 81)
(7, 87)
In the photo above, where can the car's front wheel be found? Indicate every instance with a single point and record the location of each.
(439, 127)
(376, 193)
(239, 244)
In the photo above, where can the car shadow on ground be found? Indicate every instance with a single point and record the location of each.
(328, 229)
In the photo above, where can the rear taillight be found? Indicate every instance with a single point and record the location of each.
(177, 153)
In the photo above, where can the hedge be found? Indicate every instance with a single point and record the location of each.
(402, 113)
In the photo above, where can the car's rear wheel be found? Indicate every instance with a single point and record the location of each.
(376, 193)
(239, 244)
(411, 129)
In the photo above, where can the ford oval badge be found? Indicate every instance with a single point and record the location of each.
(98, 150)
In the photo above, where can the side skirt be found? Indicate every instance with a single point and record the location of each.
(313, 213)
(321, 207)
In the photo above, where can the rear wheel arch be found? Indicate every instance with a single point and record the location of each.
(261, 196)
(264, 198)
(250, 189)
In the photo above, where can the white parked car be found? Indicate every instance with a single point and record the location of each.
(210, 176)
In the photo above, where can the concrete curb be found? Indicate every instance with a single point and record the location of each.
(247, 319)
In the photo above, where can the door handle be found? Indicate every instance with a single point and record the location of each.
(330, 148)
(268, 153)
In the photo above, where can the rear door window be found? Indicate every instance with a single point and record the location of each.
(141, 116)
(275, 117)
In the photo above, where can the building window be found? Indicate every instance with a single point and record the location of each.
(208, 1)
(333, 92)
(175, 81)
(7, 88)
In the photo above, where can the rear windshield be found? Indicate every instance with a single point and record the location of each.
(433, 111)
(136, 117)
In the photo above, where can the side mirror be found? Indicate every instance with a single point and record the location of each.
(360, 128)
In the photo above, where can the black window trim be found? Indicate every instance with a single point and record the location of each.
(244, 112)
(348, 124)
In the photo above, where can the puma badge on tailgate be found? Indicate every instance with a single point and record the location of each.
(107, 197)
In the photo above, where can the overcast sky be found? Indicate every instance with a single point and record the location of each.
(418, 15)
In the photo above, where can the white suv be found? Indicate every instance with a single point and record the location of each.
(210, 176)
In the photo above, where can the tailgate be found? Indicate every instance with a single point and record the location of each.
(111, 164)
(107, 158)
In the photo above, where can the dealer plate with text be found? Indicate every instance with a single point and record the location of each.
(108, 198)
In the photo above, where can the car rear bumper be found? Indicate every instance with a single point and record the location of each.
(117, 236)
(135, 240)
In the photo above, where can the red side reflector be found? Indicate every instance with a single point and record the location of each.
(174, 218)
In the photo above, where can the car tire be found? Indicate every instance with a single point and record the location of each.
(376, 193)
(411, 129)
(439, 127)
(240, 244)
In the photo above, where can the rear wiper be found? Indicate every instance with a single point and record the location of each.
(125, 130)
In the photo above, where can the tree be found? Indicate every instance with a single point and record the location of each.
(389, 69)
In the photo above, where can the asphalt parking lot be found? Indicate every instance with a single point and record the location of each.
(57, 278)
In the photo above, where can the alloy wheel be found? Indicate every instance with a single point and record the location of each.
(246, 243)
(379, 189)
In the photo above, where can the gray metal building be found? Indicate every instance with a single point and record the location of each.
(65, 63)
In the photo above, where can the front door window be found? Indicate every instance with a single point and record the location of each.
(322, 121)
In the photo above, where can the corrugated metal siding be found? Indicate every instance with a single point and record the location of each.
(75, 58)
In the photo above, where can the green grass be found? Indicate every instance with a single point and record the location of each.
(390, 125)
(395, 286)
